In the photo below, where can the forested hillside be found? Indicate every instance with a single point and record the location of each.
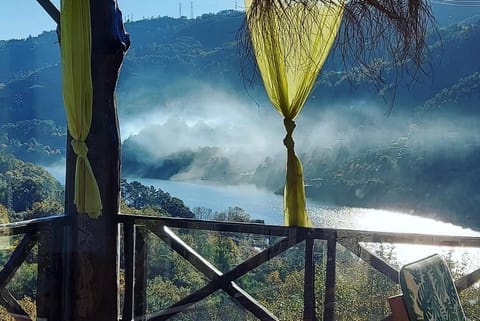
(189, 111)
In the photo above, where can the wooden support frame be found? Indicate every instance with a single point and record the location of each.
(209, 270)
(224, 280)
(309, 313)
(50, 8)
(15, 261)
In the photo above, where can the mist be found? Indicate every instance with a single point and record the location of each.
(210, 133)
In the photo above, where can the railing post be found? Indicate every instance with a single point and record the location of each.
(129, 256)
(329, 304)
(50, 272)
(140, 285)
(309, 282)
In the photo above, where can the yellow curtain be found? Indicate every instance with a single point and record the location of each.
(291, 44)
(75, 43)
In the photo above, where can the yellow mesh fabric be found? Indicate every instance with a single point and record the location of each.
(291, 44)
(78, 96)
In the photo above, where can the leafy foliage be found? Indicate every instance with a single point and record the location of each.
(27, 190)
(141, 197)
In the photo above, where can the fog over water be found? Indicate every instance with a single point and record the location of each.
(246, 133)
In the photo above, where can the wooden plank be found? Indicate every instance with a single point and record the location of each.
(50, 8)
(31, 226)
(309, 283)
(16, 259)
(209, 270)
(92, 258)
(370, 258)
(218, 226)
(49, 298)
(467, 281)
(12, 306)
(329, 302)
(230, 276)
(409, 238)
(397, 306)
(140, 286)
(315, 233)
(129, 259)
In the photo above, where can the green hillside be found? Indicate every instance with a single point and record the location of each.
(172, 62)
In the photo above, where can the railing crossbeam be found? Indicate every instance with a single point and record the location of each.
(232, 275)
(330, 277)
(17, 258)
(309, 283)
(468, 280)
(12, 306)
(374, 261)
(209, 270)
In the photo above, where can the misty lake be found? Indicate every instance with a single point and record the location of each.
(264, 205)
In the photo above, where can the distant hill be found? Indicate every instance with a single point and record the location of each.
(425, 159)
(171, 53)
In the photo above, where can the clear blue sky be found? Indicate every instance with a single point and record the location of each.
(21, 18)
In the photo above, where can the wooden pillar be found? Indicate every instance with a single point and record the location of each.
(50, 266)
(329, 304)
(309, 282)
(140, 297)
(92, 273)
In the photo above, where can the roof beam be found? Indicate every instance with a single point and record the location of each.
(50, 8)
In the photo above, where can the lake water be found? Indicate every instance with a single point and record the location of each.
(263, 204)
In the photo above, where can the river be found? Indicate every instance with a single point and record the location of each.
(264, 205)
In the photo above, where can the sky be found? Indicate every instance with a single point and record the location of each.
(21, 18)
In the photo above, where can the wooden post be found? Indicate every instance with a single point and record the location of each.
(50, 267)
(329, 305)
(140, 286)
(129, 258)
(92, 273)
(309, 282)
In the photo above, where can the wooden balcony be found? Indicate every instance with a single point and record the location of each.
(53, 299)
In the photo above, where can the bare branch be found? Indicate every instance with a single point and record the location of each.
(376, 35)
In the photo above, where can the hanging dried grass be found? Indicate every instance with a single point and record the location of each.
(375, 34)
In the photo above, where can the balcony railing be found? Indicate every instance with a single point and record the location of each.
(134, 266)
(135, 228)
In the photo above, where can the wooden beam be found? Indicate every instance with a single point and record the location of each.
(397, 306)
(92, 262)
(12, 306)
(50, 267)
(129, 258)
(16, 259)
(467, 280)
(330, 279)
(315, 233)
(374, 261)
(309, 313)
(50, 8)
(209, 270)
(230, 276)
(140, 285)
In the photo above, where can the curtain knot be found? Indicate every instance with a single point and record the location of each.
(80, 148)
(290, 127)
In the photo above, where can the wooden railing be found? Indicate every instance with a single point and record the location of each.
(136, 227)
(47, 234)
(42, 232)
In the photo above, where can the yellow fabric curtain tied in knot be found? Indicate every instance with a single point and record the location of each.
(288, 140)
(76, 53)
(291, 41)
(80, 148)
